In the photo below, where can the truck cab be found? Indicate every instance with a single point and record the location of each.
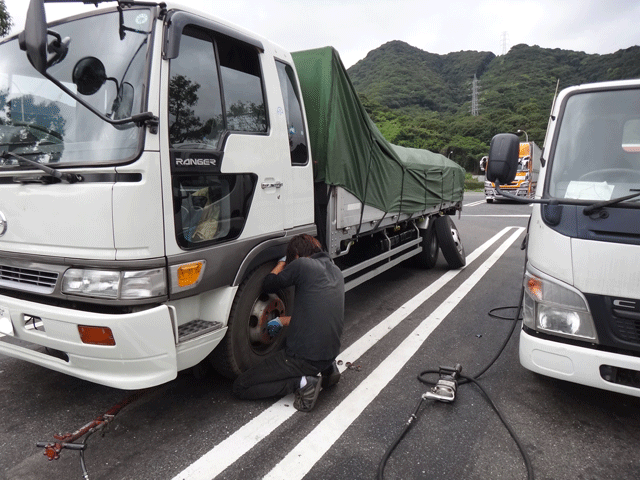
(127, 274)
(581, 309)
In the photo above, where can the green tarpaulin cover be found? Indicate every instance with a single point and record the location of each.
(349, 151)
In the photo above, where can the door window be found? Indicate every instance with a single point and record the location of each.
(211, 208)
(293, 113)
(195, 102)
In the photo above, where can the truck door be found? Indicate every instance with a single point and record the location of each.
(299, 194)
(227, 176)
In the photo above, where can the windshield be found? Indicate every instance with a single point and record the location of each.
(523, 164)
(597, 153)
(38, 119)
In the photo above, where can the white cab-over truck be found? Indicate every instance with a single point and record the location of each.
(581, 309)
(156, 161)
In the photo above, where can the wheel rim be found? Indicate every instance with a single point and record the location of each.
(265, 308)
(456, 240)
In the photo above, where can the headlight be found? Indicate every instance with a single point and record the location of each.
(556, 308)
(128, 285)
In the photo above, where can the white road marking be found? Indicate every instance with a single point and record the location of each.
(505, 216)
(473, 204)
(246, 437)
(305, 455)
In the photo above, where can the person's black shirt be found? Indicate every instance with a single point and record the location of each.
(318, 312)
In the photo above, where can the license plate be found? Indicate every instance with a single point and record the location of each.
(6, 327)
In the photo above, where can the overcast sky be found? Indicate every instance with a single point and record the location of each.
(356, 27)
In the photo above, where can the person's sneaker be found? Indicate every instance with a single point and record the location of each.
(305, 397)
(330, 376)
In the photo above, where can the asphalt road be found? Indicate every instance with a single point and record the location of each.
(399, 324)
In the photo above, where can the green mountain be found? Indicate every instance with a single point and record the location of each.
(420, 99)
(398, 75)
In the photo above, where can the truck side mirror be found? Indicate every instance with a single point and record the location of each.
(89, 75)
(34, 37)
(503, 158)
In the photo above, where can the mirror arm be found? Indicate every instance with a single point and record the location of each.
(511, 196)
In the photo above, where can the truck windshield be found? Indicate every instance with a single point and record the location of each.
(597, 152)
(523, 164)
(39, 120)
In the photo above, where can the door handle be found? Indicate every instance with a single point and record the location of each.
(276, 184)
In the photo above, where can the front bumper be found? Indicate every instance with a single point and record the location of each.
(574, 363)
(144, 353)
(491, 193)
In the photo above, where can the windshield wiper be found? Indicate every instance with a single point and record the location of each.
(597, 206)
(64, 176)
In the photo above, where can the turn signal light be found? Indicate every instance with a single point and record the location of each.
(534, 285)
(189, 274)
(96, 335)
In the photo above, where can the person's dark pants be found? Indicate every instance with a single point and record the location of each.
(276, 376)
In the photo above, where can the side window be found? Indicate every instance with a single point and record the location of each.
(293, 113)
(215, 86)
(211, 208)
(195, 105)
(242, 86)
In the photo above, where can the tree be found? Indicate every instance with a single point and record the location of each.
(183, 94)
(5, 20)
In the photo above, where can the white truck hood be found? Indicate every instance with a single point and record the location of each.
(606, 268)
(70, 220)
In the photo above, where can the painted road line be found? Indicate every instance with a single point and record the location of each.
(246, 437)
(362, 345)
(306, 454)
(505, 216)
(473, 204)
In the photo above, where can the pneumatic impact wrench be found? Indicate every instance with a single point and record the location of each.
(445, 389)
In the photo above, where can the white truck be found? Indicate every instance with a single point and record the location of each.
(155, 162)
(581, 308)
(526, 180)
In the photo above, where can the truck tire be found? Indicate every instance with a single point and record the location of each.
(246, 342)
(489, 200)
(428, 257)
(450, 242)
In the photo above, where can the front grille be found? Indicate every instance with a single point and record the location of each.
(628, 329)
(27, 278)
(617, 321)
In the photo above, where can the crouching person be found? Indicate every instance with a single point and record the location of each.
(314, 328)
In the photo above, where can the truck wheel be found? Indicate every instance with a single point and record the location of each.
(489, 200)
(450, 242)
(246, 342)
(428, 257)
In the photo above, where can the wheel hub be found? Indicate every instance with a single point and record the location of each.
(266, 308)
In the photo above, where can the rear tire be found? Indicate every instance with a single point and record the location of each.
(450, 242)
(428, 257)
(246, 342)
